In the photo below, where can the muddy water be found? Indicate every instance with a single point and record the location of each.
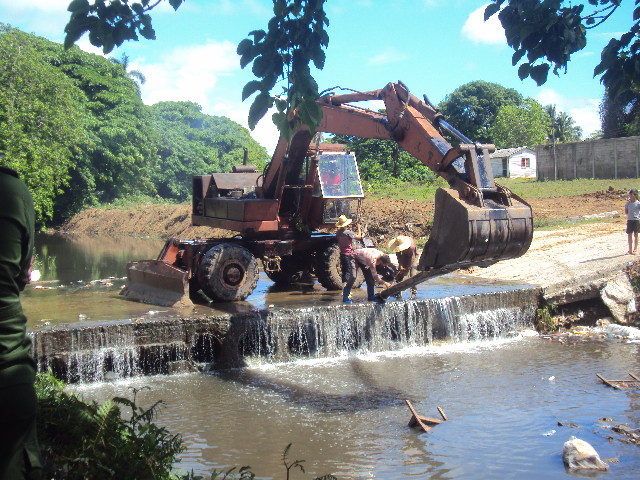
(82, 278)
(347, 416)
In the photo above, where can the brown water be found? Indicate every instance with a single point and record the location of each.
(82, 278)
(347, 416)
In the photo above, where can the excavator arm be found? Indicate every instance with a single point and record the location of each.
(476, 221)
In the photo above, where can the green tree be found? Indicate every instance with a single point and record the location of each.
(123, 150)
(136, 75)
(280, 55)
(472, 107)
(562, 128)
(384, 161)
(193, 143)
(522, 125)
(543, 30)
(618, 117)
(42, 120)
(545, 33)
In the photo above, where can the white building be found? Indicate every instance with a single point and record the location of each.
(518, 162)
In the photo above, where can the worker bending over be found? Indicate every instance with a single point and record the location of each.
(407, 253)
(368, 259)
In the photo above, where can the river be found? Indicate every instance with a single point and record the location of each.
(346, 415)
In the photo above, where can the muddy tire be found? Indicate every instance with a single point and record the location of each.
(329, 271)
(228, 273)
(293, 268)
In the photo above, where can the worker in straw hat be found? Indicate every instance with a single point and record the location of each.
(407, 254)
(345, 240)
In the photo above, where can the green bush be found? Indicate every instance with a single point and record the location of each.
(80, 440)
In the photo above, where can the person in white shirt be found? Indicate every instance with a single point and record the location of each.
(632, 209)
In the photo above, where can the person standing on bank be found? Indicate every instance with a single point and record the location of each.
(345, 240)
(368, 259)
(632, 209)
(407, 254)
(18, 402)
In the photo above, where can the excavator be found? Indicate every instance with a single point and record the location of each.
(281, 215)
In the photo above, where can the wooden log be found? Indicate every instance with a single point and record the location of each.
(444, 417)
(634, 377)
(607, 381)
(413, 281)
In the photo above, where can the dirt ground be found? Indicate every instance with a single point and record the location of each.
(381, 219)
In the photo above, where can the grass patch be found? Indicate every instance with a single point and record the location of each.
(523, 187)
(555, 224)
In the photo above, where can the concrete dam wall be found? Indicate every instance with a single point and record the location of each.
(128, 348)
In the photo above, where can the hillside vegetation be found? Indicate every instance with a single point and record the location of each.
(74, 126)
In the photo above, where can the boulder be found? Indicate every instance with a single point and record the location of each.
(618, 296)
(580, 455)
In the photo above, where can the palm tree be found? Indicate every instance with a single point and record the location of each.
(136, 75)
(563, 128)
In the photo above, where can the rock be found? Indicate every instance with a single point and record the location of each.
(632, 333)
(618, 295)
(580, 455)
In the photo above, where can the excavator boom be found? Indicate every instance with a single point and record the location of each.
(476, 221)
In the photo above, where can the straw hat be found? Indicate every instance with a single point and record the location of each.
(400, 243)
(343, 221)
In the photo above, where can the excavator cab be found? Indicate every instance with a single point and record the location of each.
(338, 186)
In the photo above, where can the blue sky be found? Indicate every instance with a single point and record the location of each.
(433, 46)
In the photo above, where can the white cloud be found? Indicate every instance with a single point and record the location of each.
(188, 73)
(479, 31)
(388, 55)
(584, 111)
(35, 5)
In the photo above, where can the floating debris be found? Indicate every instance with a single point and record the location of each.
(425, 423)
(620, 384)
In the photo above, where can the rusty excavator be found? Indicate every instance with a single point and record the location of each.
(279, 215)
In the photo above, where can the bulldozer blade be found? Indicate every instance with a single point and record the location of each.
(466, 235)
(158, 283)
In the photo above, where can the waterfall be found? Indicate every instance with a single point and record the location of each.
(129, 348)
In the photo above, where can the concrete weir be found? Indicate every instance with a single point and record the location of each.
(127, 348)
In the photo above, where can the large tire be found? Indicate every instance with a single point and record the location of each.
(228, 273)
(293, 268)
(329, 271)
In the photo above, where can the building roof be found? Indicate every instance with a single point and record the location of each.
(507, 152)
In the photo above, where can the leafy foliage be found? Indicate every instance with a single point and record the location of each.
(110, 23)
(74, 126)
(42, 125)
(80, 440)
(562, 128)
(619, 117)
(520, 125)
(472, 107)
(383, 161)
(295, 37)
(545, 33)
(193, 143)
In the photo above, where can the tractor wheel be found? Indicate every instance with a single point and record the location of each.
(228, 273)
(293, 268)
(329, 271)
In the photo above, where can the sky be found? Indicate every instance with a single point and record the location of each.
(433, 46)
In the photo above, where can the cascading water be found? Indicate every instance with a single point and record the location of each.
(122, 349)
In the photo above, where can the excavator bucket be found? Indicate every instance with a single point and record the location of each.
(465, 235)
(158, 283)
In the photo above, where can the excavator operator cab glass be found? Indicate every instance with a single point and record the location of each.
(338, 176)
(338, 183)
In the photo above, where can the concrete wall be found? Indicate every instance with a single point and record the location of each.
(606, 158)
